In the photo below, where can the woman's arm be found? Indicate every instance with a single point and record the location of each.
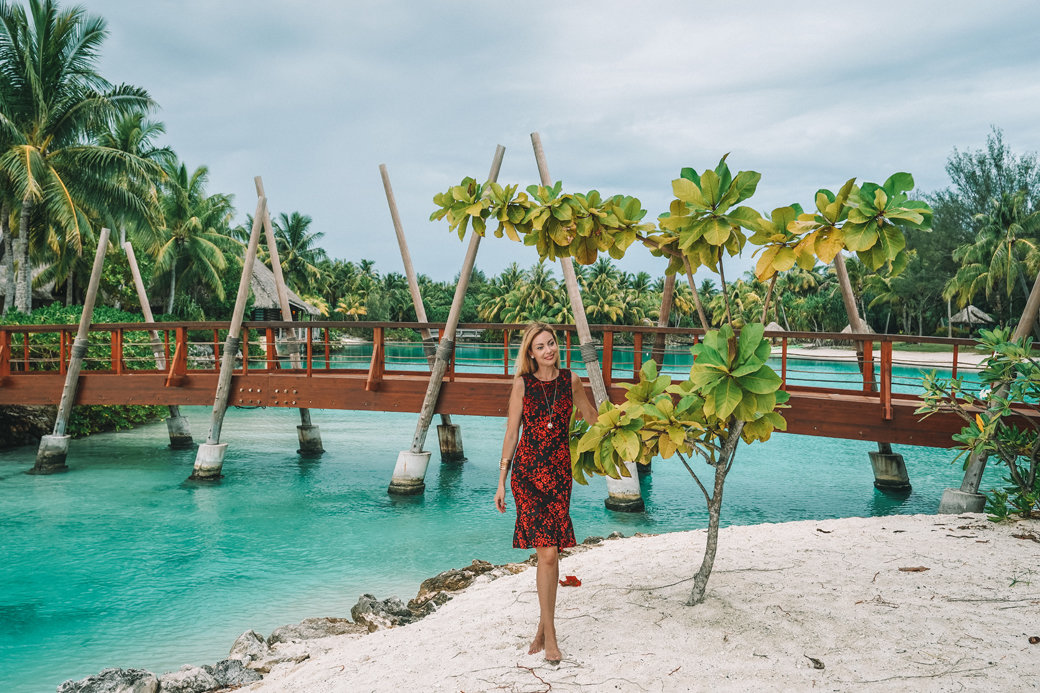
(581, 399)
(516, 409)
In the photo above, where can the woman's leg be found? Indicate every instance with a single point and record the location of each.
(547, 579)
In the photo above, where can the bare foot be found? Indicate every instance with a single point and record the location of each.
(537, 645)
(552, 654)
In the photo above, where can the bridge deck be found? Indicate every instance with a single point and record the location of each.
(33, 360)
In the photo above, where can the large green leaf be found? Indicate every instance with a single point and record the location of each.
(726, 395)
(763, 381)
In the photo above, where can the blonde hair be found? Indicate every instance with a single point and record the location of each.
(524, 363)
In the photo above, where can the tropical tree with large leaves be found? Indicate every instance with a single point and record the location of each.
(732, 394)
(53, 103)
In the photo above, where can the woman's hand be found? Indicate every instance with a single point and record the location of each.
(500, 498)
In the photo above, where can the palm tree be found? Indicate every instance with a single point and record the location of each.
(53, 102)
(297, 250)
(1005, 250)
(195, 234)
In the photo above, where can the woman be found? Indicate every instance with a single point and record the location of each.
(542, 398)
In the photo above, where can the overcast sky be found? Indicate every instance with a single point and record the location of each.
(314, 96)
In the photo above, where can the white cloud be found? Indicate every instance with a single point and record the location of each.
(315, 96)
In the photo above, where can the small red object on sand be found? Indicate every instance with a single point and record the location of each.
(570, 581)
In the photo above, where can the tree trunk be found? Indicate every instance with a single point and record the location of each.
(173, 287)
(729, 449)
(783, 314)
(1025, 293)
(68, 290)
(23, 282)
(5, 229)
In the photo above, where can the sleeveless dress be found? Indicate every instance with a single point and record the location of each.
(541, 479)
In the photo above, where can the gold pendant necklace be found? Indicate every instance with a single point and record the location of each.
(545, 397)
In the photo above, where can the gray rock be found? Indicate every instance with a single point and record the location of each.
(436, 588)
(282, 653)
(114, 681)
(249, 646)
(189, 679)
(592, 540)
(615, 535)
(313, 628)
(376, 615)
(232, 672)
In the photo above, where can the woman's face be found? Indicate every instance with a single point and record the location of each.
(543, 349)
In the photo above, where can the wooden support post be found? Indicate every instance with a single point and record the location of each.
(210, 457)
(410, 471)
(637, 354)
(5, 355)
(448, 434)
(377, 366)
(505, 352)
(308, 434)
(50, 457)
(623, 493)
(245, 350)
(868, 365)
(608, 359)
(63, 361)
(886, 380)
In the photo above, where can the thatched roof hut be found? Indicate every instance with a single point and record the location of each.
(265, 296)
(972, 316)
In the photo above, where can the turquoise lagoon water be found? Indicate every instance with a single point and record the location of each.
(122, 562)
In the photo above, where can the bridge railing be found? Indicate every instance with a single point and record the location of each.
(822, 362)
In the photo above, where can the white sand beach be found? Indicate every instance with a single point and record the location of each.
(924, 359)
(922, 603)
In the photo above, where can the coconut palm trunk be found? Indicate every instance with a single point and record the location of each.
(23, 280)
(9, 281)
(173, 287)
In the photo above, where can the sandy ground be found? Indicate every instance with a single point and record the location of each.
(965, 359)
(782, 597)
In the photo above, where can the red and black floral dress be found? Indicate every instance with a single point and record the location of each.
(541, 480)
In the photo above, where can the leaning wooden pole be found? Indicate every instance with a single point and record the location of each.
(307, 433)
(54, 448)
(622, 494)
(662, 318)
(889, 467)
(410, 471)
(177, 426)
(449, 435)
(210, 457)
(967, 498)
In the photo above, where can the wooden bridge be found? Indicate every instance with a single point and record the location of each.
(873, 400)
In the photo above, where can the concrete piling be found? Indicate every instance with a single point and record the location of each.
(310, 440)
(450, 438)
(50, 456)
(409, 477)
(180, 432)
(889, 471)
